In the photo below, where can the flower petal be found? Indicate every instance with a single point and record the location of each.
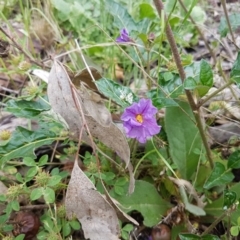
(151, 126)
(124, 36)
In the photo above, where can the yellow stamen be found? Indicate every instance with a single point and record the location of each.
(139, 118)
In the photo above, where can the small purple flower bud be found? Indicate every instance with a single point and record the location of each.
(124, 36)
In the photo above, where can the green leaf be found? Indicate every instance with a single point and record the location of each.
(31, 173)
(234, 160)
(23, 142)
(9, 208)
(194, 209)
(27, 109)
(49, 195)
(43, 160)
(42, 235)
(234, 22)
(54, 180)
(206, 74)
(48, 223)
(219, 176)
(121, 181)
(171, 88)
(3, 198)
(3, 218)
(125, 231)
(108, 176)
(146, 11)
(202, 79)
(144, 199)
(170, 85)
(119, 190)
(122, 18)
(202, 174)
(184, 139)
(75, 224)
(63, 7)
(215, 208)
(36, 193)
(188, 206)
(234, 231)
(118, 93)
(198, 14)
(128, 227)
(235, 72)
(15, 205)
(229, 199)
(30, 162)
(19, 177)
(7, 228)
(190, 83)
(20, 237)
(188, 236)
(66, 229)
(161, 102)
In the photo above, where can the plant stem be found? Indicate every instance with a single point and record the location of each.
(164, 160)
(140, 161)
(160, 8)
(223, 2)
(213, 225)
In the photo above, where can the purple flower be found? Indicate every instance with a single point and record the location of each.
(124, 36)
(139, 120)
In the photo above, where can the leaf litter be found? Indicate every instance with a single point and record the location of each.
(63, 97)
(82, 113)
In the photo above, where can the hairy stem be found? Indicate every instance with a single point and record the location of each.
(160, 8)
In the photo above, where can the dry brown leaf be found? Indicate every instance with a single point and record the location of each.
(111, 136)
(61, 97)
(94, 106)
(98, 218)
(84, 76)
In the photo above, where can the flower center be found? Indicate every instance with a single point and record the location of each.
(139, 118)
